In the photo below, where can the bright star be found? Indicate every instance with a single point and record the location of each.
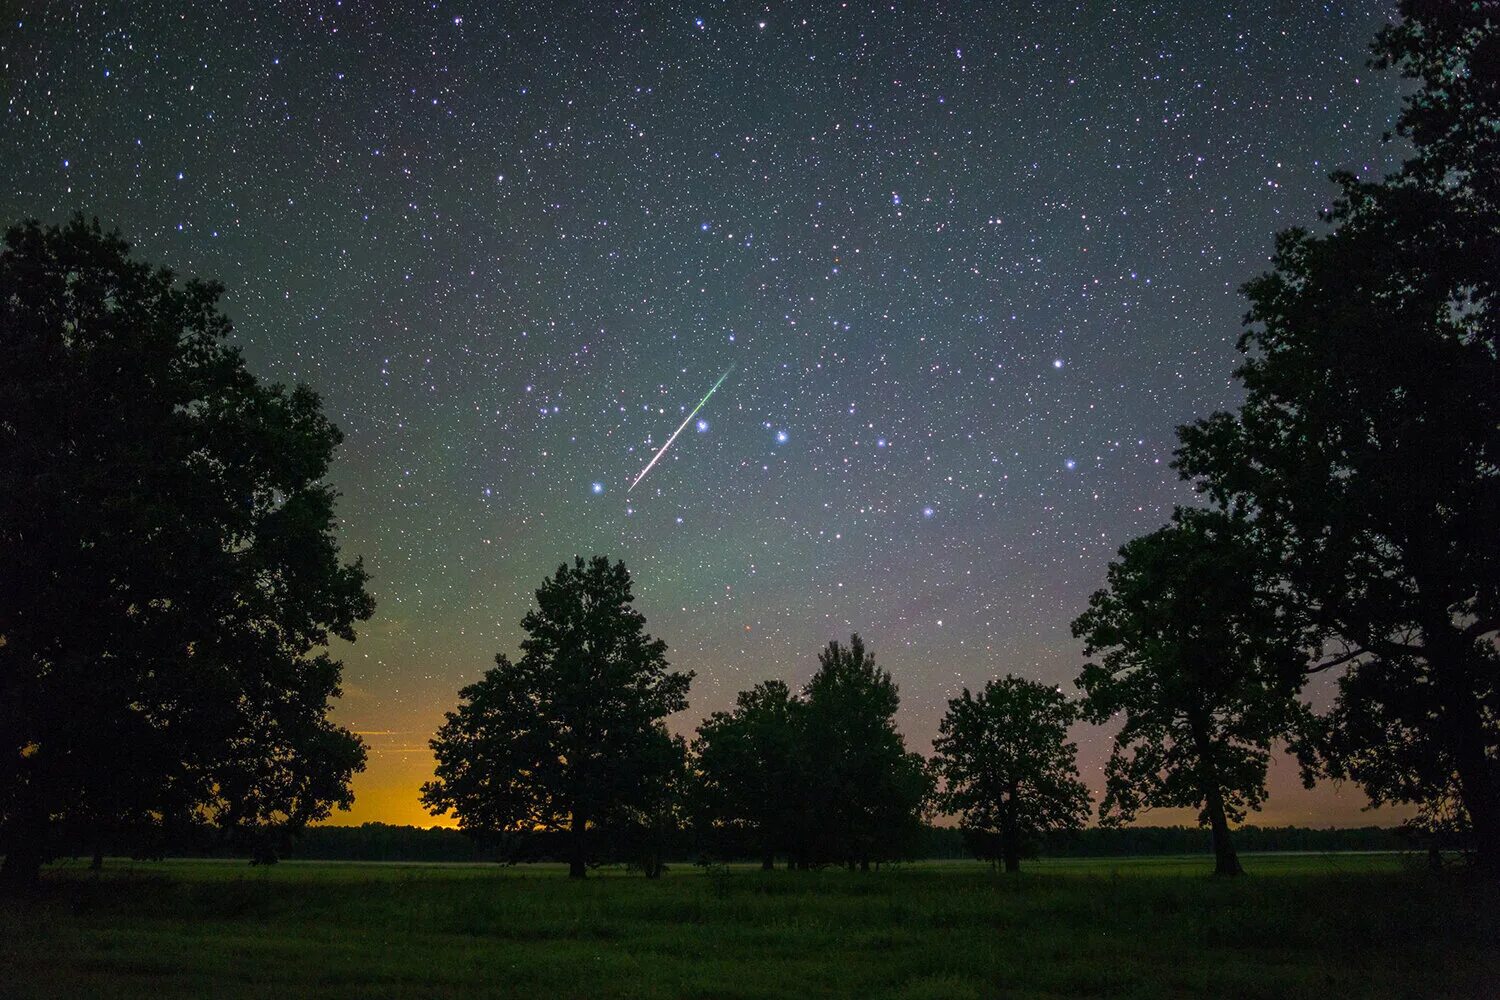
(781, 437)
(702, 426)
(598, 487)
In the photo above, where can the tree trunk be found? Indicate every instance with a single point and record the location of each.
(1226, 861)
(768, 862)
(1010, 835)
(27, 836)
(578, 857)
(1477, 788)
(98, 863)
(1478, 783)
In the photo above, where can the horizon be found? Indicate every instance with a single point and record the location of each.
(970, 273)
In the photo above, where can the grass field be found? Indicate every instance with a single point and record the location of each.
(1318, 925)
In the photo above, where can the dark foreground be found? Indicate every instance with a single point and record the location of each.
(1314, 926)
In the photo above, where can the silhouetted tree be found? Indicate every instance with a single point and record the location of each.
(648, 828)
(1203, 659)
(865, 793)
(1007, 768)
(1387, 734)
(1368, 446)
(568, 736)
(168, 564)
(751, 768)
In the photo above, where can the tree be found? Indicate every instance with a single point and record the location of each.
(568, 737)
(865, 794)
(646, 827)
(168, 564)
(1368, 445)
(1007, 767)
(1203, 658)
(751, 768)
(1387, 735)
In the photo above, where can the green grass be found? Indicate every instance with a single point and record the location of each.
(1323, 926)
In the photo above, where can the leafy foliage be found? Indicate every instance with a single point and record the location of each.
(1007, 768)
(570, 736)
(751, 768)
(823, 776)
(168, 564)
(866, 791)
(1201, 656)
(1368, 446)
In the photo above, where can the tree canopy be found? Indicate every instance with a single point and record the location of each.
(1198, 652)
(571, 735)
(168, 564)
(868, 791)
(822, 776)
(1367, 450)
(751, 768)
(1007, 768)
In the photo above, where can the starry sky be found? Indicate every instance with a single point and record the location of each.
(970, 264)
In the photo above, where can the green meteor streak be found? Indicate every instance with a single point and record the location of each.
(663, 449)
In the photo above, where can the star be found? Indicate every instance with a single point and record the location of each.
(493, 278)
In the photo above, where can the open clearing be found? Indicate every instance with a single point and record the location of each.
(1298, 925)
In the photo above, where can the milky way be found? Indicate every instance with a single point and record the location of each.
(972, 264)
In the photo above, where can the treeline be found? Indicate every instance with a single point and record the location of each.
(170, 582)
(1348, 525)
(385, 842)
(564, 755)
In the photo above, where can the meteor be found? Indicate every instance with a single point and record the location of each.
(663, 449)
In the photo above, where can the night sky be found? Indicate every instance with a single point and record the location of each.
(970, 267)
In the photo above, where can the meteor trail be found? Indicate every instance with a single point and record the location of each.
(663, 449)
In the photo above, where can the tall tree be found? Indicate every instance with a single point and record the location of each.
(168, 563)
(867, 790)
(1368, 445)
(1007, 767)
(568, 736)
(751, 768)
(1199, 653)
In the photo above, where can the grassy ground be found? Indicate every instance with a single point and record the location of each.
(1317, 925)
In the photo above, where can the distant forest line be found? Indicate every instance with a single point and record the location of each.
(388, 842)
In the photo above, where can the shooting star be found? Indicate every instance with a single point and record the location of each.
(663, 449)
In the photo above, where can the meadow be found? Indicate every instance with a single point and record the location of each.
(1332, 925)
